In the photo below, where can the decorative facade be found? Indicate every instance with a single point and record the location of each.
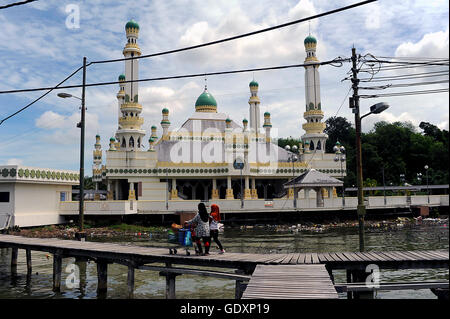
(196, 160)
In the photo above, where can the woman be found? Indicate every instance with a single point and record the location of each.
(214, 226)
(202, 229)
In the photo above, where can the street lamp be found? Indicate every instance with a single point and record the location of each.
(374, 109)
(339, 150)
(239, 164)
(81, 235)
(293, 158)
(428, 192)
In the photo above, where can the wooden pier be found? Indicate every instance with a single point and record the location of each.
(244, 265)
(290, 282)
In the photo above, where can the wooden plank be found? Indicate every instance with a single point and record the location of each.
(315, 258)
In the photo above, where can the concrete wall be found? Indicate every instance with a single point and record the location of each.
(119, 207)
(38, 204)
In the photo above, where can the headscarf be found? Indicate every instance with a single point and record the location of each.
(215, 212)
(203, 212)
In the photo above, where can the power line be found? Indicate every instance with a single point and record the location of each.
(242, 35)
(16, 4)
(389, 86)
(404, 93)
(176, 76)
(49, 90)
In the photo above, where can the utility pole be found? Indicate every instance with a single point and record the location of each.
(81, 236)
(354, 104)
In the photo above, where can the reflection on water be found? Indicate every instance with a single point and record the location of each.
(148, 284)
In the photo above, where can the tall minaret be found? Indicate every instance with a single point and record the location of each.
(97, 165)
(130, 135)
(313, 114)
(255, 119)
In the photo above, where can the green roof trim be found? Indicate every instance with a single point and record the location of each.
(132, 24)
(253, 83)
(310, 39)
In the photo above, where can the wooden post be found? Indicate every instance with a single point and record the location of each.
(57, 267)
(240, 286)
(130, 281)
(29, 266)
(170, 282)
(102, 274)
(14, 253)
(360, 276)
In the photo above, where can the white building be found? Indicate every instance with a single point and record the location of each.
(31, 196)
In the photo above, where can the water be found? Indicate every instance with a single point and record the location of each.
(149, 285)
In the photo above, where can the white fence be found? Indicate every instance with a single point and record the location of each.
(254, 205)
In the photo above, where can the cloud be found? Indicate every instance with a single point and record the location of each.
(432, 45)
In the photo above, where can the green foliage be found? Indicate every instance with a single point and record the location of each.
(398, 148)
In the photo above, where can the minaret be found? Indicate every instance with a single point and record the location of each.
(255, 120)
(267, 126)
(97, 165)
(165, 123)
(314, 137)
(121, 94)
(130, 135)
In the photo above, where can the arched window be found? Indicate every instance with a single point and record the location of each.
(311, 146)
(139, 142)
(131, 144)
(124, 143)
(319, 146)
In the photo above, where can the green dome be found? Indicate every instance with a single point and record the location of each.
(228, 120)
(165, 110)
(97, 135)
(122, 77)
(310, 39)
(153, 127)
(132, 24)
(244, 121)
(266, 114)
(112, 139)
(253, 83)
(206, 98)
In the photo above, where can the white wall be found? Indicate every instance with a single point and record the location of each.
(38, 204)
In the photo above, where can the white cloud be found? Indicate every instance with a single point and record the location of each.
(432, 45)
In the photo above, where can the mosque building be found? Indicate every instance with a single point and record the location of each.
(196, 161)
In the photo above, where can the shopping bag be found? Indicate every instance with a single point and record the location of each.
(188, 238)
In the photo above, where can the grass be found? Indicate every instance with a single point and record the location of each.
(136, 228)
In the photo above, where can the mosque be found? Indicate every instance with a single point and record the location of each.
(198, 160)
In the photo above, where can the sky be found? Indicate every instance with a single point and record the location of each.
(43, 42)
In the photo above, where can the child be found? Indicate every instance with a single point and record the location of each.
(214, 226)
(202, 229)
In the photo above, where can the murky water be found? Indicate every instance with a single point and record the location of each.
(148, 284)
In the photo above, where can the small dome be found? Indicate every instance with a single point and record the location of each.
(154, 127)
(97, 136)
(132, 24)
(151, 140)
(310, 39)
(122, 77)
(112, 139)
(253, 83)
(228, 120)
(266, 114)
(165, 111)
(244, 121)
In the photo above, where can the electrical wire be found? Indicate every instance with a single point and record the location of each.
(16, 4)
(43, 95)
(241, 35)
(404, 93)
(331, 62)
(389, 86)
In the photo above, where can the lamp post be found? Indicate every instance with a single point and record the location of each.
(239, 164)
(293, 158)
(428, 192)
(339, 150)
(80, 235)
